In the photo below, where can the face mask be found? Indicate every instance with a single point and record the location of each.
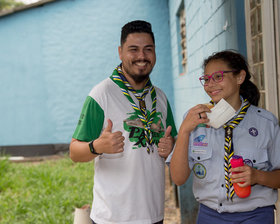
(220, 114)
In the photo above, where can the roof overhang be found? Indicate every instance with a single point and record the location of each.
(25, 7)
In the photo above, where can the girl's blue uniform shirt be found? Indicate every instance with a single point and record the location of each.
(256, 138)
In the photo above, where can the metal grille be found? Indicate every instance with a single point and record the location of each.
(183, 42)
(257, 48)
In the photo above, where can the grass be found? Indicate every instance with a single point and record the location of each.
(45, 192)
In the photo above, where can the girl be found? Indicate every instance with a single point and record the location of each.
(252, 133)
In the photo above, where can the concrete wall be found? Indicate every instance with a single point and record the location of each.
(51, 56)
(212, 25)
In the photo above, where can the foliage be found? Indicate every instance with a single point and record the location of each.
(46, 192)
(9, 4)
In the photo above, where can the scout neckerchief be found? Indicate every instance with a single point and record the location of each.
(119, 78)
(229, 151)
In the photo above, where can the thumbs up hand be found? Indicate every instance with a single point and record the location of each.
(109, 126)
(166, 143)
(108, 141)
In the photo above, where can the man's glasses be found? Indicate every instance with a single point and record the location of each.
(215, 76)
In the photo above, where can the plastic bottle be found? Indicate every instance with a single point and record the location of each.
(241, 192)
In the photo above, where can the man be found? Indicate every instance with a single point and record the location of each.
(126, 125)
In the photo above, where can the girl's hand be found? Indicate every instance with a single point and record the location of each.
(243, 175)
(196, 115)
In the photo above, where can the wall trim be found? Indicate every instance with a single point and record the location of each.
(33, 150)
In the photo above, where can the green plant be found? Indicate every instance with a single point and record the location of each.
(9, 4)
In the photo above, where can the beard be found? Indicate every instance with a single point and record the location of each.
(141, 76)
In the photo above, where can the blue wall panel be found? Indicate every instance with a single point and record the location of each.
(211, 26)
(51, 56)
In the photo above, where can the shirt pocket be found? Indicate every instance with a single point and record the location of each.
(200, 161)
(199, 147)
(257, 158)
(200, 154)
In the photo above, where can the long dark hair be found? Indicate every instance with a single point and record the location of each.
(237, 62)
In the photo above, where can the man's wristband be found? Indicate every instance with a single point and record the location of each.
(92, 150)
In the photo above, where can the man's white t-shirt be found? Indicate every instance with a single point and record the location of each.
(128, 186)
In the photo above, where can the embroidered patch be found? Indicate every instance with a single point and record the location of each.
(253, 131)
(200, 141)
(199, 170)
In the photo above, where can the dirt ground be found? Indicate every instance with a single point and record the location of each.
(172, 213)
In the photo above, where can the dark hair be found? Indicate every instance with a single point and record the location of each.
(237, 62)
(137, 26)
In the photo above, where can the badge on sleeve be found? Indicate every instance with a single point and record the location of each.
(199, 170)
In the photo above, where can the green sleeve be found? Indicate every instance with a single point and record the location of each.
(170, 120)
(91, 121)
